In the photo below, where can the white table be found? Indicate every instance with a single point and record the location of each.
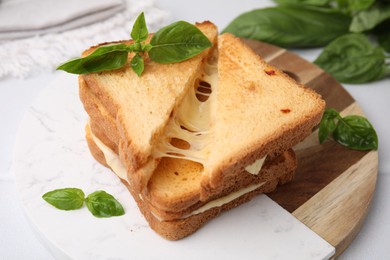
(17, 239)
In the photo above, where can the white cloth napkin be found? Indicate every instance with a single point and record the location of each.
(25, 18)
(25, 57)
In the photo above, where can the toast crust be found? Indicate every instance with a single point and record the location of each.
(180, 228)
(174, 188)
(177, 206)
(174, 226)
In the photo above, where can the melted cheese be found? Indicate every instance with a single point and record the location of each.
(191, 123)
(118, 168)
(224, 200)
(219, 202)
(112, 159)
(255, 167)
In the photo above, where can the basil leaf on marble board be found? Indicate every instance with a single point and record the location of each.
(177, 42)
(352, 58)
(65, 199)
(103, 205)
(291, 26)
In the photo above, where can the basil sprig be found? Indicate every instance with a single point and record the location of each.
(174, 43)
(99, 203)
(352, 131)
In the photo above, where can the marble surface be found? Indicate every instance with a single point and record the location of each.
(51, 153)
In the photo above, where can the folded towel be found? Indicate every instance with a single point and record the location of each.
(24, 57)
(25, 18)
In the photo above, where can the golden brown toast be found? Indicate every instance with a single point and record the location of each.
(268, 110)
(184, 134)
(175, 186)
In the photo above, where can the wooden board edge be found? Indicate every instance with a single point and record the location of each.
(337, 214)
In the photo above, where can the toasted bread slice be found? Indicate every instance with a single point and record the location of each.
(176, 225)
(141, 106)
(277, 111)
(259, 111)
(175, 158)
(175, 187)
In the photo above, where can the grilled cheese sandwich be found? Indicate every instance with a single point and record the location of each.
(192, 139)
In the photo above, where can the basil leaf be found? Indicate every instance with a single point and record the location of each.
(368, 19)
(103, 205)
(352, 58)
(108, 57)
(304, 2)
(140, 31)
(356, 132)
(146, 47)
(291, 26)
(137, 64)
(177, 42)
(342, 5)
(327, 124)
(65, 199)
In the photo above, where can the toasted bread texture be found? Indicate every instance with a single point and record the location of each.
(176, 225)
(175, 186)
(141, 106)
(260, 111)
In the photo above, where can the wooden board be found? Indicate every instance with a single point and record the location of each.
(334, 186)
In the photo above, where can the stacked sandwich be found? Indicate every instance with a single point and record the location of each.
(196, 138)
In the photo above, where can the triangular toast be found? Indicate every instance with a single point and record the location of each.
(141, 106)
